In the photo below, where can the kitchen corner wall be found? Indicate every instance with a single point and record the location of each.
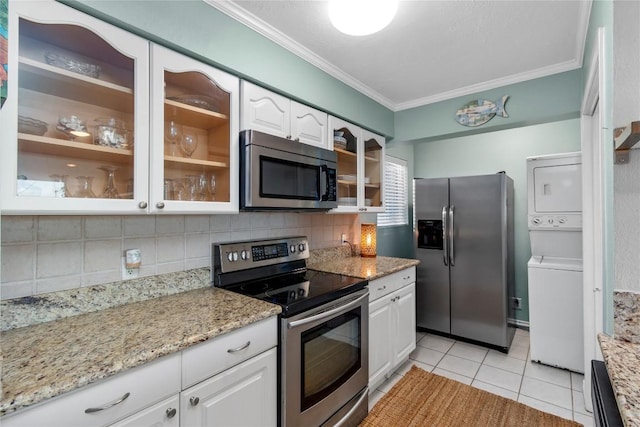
(42, 254)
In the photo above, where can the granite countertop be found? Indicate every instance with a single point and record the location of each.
(48, 359)
(622, 359)
(364, 268)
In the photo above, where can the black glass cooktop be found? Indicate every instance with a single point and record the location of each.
(297, 292)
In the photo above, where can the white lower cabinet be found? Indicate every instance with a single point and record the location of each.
(163, 414)
(392, 324)
(244, 395)
(228, 381)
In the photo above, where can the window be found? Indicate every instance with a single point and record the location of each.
(396, 208)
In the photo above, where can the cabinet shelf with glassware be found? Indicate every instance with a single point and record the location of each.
(73, 114)
(360, 167)
(194, 136)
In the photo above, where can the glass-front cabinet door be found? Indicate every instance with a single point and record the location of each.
(194, 136)
(373, 171)
(360, 167)
(75, 124)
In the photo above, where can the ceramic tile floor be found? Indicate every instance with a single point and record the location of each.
(511, 375)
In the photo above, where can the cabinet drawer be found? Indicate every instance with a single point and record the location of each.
(394, 281)
(146, 385)
(207, 359)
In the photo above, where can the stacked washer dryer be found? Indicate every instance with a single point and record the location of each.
(555, 268)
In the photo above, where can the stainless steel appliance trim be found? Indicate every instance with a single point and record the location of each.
(291, 362)
(363, 395)
(445, 248)
(452, 253)
(339, 308)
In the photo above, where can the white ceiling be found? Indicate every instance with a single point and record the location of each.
(433, 50)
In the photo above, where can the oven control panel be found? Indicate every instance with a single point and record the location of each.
(235, 256)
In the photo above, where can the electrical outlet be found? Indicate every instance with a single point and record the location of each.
(128, 273)
(343, 238)
(517, 303)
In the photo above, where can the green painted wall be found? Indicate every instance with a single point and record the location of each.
(201, 31)
(551, 98)
(507, 151)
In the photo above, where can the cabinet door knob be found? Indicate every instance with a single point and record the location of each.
(160, 205)
(297, 140)
(194, 401)
(288, 136)
(142, 205)
(171, 412)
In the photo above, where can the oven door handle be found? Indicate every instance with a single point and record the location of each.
(328, 313)
(355, 407)
(323, 183)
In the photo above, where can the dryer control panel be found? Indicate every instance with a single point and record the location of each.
(564, 221)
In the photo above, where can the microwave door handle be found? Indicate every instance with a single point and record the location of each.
(324, 193)
(445, 246)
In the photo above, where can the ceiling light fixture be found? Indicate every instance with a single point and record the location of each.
(361, 17)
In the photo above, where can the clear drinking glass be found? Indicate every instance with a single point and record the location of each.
(64, 191)
(85, 190)
(173, 135)
(189, 143)
(191, 187)
(110, 191)
(212, 187)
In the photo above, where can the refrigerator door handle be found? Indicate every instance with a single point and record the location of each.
(452, 255)
(445, 245)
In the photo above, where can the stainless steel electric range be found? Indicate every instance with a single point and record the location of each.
(323, 328)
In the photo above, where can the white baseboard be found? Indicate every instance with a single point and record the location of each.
(520, 324)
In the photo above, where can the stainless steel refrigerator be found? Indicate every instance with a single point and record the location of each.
(465, 279)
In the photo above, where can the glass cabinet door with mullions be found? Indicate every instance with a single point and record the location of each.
(76, 123)
(194, 140)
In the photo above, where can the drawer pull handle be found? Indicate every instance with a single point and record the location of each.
(108, 405)
(171, 412)
(382, 288)
(242, 347)
(194, 401)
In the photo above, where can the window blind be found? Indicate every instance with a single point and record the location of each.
(395, 193)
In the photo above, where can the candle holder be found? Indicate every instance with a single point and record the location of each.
(368, 240)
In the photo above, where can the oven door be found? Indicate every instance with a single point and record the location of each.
(324, 363)
(295, 177)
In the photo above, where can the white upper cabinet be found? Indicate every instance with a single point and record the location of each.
(82, 136)
(360, 167)
(268, 112)
(194, 136)
(75, 126)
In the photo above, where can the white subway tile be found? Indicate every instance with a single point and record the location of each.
(197, 263)
(59, 228)
(56, 284)
(100, 227)
(170, 267)
(240, 222)
(17, 262)
(197, 246)
(170, 248)
(221, 237)
(197, 223)
(169, 224)
(17, 229)
(139, 226)
(102, 255)
(101, 278)
(10, 290)
(221, 222)
(58, 259)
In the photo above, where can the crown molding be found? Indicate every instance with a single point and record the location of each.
(491, 84)
(248, 19)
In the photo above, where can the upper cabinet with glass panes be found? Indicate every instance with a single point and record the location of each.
(360, 167)
(76, 133)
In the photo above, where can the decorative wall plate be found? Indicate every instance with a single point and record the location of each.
(480, 111)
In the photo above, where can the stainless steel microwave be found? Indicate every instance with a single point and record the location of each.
(281, 174)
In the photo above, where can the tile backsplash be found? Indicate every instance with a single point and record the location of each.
(42, 254)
